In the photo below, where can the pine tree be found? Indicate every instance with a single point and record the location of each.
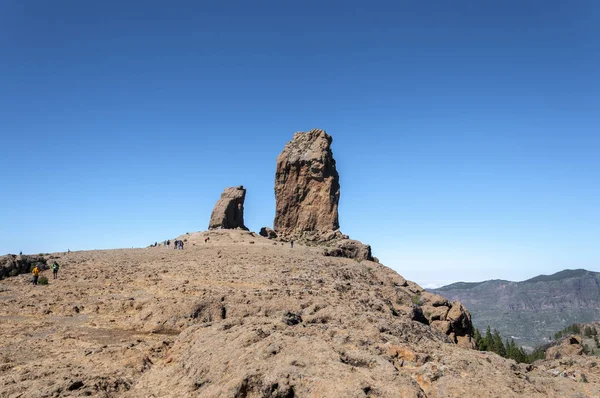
(498, 345)
(478, 339)
(486, 342)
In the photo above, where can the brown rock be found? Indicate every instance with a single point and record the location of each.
(228, 212)
(442, 326)
(268, 233)
(230, 319)
(350, 249)
(569, 346)
(307, 188)
(460, 319)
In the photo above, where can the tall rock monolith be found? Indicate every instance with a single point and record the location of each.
(228, 212)
(307, 187)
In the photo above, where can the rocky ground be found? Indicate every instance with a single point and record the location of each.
(243, 316)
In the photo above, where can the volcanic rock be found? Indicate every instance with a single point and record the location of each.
(235, 319)
(452, 319)
(307, 188)
(569, 346)
(268, 233)
(350, 249)
(228, 212)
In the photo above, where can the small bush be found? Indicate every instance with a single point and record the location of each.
(13, 272)
(42, 280)
(416, 299)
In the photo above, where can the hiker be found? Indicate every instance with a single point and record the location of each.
(207, 239)
(169, 243)
(292, 244)
(181, 244)
(55, 268)
(68, 251)
(36, 274)
(20, 253)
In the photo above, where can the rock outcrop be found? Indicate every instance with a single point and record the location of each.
(268, 233)
(228, 212)
(350, 249)
(13, 265)
(568, 347)
(452, 319)
(307, 188)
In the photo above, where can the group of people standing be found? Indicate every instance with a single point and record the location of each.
(177, 244)
(36, 272)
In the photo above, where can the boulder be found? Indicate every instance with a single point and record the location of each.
(228, 212)
(307, 188)
(267, 233)
(569, 346)
(452, 319)
(350, 249)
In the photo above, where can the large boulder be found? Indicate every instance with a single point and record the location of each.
(350, 249)
(307, 187)
(228, 212)
(452, 319)
(267, 233)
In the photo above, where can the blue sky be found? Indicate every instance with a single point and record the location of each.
(466, 133)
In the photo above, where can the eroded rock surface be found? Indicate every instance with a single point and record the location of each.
(568, 347)
(244, 317)
(307, 188)
(228, 212)
(349, 248)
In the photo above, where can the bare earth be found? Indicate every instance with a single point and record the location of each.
(241, 316)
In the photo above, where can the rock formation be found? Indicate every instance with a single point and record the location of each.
(350, 249)
(228, 212)
(13, 265)
(452, 319)
(569, 346)
(307, 188)
(267, 233)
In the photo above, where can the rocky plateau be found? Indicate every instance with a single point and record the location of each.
(244, 316)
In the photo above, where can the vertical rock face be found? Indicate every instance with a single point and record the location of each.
(229, 210)
(307, 187)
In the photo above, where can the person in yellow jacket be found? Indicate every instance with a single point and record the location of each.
(36, 273)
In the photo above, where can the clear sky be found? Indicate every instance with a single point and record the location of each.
(466, 133)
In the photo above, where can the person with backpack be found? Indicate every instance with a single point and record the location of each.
(55, 268)
(36, 274)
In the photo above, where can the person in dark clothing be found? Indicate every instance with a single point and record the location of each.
(169, 243)
(292, 244)
(181, 245)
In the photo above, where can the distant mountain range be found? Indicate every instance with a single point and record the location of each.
(533, 310)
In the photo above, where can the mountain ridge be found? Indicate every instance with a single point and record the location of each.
(533, 309)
